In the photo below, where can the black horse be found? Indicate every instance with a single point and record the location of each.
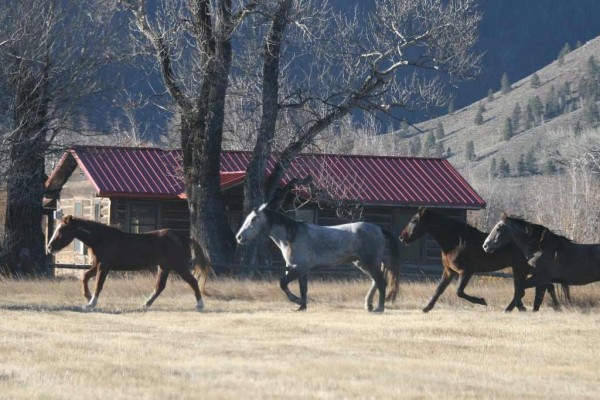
(463, 255)
(554, 258)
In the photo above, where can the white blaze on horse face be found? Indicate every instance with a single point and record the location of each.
(54, 235)
(492, 242)
(240, 236)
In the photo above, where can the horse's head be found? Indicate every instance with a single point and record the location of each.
(499, 237)
(255, 223)
(416, 227)
(63, 235)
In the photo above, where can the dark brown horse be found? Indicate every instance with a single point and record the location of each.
(113, 249)
(554, 258)
(463, 255)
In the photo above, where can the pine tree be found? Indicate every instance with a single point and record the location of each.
(527, 118)
(478, 117)
(448, 152)
(404, 127)
(507, 130)
(550, 167)
(470, 151)
(505, 84)
(429, 144)
(530, 162)
(503, 168)
(578, 44)
(439, 149)
(537, 109)
(535, 81)
(563, 52)
(490, 95)
(439, 131)
(451, 106)
(415, 146)
(516, 117)
(494, 168)
(551, 107)
(577, 129)
(521, 166)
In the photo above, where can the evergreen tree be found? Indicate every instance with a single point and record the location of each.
(415, 146)
(505, 84)
(550, 167)
(551, 107)
(578, 44)
(516, 117)
(521, 166)
(470, 151)
(439, 149)
(478, 117)
(563, 52)
(507, 130)
(494, 168)
(537, 109)
(404, 128)
(439, 131)
(451, 106)
(429, 144)
(590, 111)
(527, 118)
(535, 81)
(490, 95)
(448, 152)
(530, 161)
(577, 129)
(503, 168)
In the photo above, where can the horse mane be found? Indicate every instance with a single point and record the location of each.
(291, 225)
(90, 225)
(451, 223)
(536, 231)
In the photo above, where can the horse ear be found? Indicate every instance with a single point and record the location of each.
(422, 210)
(504, 216)
(262, 207)
(67, 219)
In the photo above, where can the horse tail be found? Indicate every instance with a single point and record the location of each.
(201, 265)
(392, 268)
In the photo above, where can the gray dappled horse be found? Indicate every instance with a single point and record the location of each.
(305, 246)
(554, 258)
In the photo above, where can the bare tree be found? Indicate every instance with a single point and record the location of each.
(299, 62)
(46, 62)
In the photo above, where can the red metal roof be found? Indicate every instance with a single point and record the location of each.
(156, 173)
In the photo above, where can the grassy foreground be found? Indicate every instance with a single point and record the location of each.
(250, 344)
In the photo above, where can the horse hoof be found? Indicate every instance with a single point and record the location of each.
(369, 307)
(427, 309)
(302, 308)
(483, 302)
(200, 305)
(378, 310)
(522, 308)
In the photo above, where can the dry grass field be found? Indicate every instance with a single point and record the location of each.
(250, 344)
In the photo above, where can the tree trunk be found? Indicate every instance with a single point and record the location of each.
(23, 244)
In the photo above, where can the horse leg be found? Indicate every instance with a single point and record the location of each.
(379, 284)
(161, 282)
(464, 279)
(303, 284)
(294, 272)
(552, 293)
(188, 277)
(519, 276)
(87, 275)
(566, 291)
(447, 276)
(100, 278)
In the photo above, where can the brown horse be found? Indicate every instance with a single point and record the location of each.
(463, 255)
(113, 249)
(554, 258)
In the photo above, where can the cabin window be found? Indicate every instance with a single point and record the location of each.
(142, 217)
(78, 246)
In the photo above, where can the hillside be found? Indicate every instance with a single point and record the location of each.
(545, 140)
